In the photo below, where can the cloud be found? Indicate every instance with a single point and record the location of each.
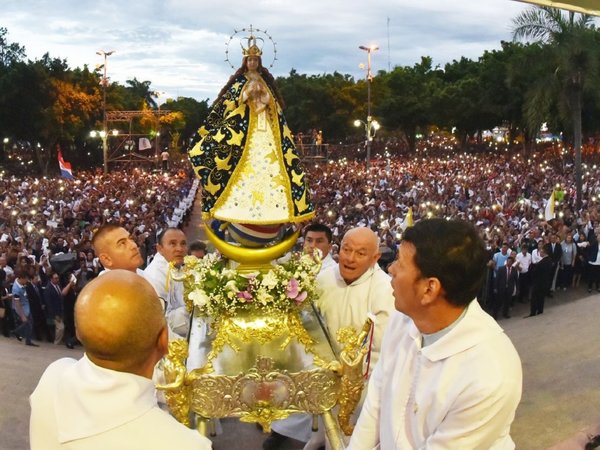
(179, 45)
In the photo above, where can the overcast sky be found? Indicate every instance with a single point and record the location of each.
(179, 45)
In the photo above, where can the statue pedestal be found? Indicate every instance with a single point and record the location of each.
(263, 373)
(269, 340)
(264, 353)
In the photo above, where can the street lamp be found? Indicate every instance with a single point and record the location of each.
(157, 94)
(369, 123)
(104, 134)
(371, 127)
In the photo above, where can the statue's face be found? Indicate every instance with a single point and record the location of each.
(252, 63)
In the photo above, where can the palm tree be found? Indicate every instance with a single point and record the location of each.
(142, 92)
(571, 42)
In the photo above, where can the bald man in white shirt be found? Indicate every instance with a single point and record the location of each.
(106, 400)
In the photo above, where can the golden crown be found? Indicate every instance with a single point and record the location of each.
(253, 49)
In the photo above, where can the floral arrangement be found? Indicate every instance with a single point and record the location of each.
(217, 290)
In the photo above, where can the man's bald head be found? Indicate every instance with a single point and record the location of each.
(120, 322)
(358, 253)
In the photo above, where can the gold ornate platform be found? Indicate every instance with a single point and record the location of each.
(262, 380)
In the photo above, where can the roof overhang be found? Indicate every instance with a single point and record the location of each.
(591, 7)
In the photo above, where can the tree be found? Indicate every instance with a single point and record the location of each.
(571, 51)
(140, 91)
(322, 102)
(522, 67)
(463, 102)
(9, 53)
(194, 113)
(409, 97)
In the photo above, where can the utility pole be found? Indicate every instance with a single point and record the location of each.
(104, 133)
(369, 124)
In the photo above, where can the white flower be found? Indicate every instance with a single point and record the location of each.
(231, 287)
(190, 260)
(229, 273)
(198, 297)
(263, 296)
(269, 290)
(270, 280)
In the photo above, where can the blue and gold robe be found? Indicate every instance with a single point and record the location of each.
(248, 165)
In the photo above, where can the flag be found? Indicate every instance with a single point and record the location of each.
(549, 211)
(408, 220)
(65, 167)
(144, 144)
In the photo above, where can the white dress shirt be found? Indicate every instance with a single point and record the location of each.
(78, 405)
(460, 392)
(171, 291)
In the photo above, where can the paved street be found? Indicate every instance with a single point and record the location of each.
(560, 351)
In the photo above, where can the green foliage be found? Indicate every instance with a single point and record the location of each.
(328, 102)
(411, 96)
(10, 53)
(194, 113)
(571, 68)
(554, 79)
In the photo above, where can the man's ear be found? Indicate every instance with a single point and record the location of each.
(376, 258)
(105, 260)
(163, 341)
(432, 289)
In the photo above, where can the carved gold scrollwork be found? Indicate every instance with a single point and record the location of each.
(263, 394)
(212, 395)
(258, 327)
(177, 391)
(352, 357)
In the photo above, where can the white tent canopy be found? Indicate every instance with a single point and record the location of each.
(582, 6)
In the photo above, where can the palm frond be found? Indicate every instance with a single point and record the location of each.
(539, 102)
(533, 24)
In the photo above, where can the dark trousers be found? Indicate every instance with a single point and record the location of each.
(69, 319)
(565, 277)
(524, 286)
(7, 323)
(593, 276)
(501, 302)
(537, 301)
(25, 329)
(39, 325)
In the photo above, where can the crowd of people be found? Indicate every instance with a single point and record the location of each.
(50, 244)
(501, 192)
(428, 346)
(46, 233)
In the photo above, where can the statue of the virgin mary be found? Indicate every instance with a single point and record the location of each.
(252, 178)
